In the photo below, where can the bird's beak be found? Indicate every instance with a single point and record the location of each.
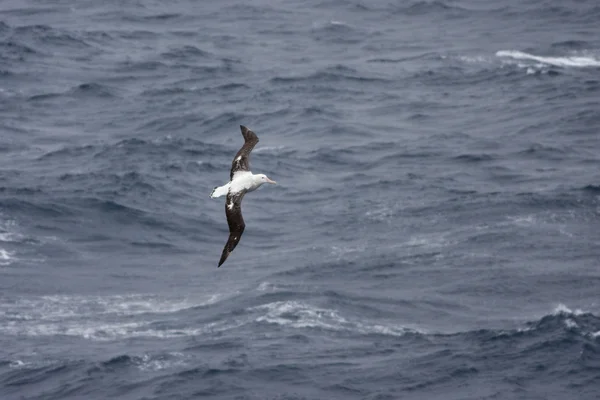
(270, 181)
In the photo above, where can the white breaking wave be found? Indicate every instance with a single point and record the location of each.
(9, 230)
(145, 362)
(428, 241)
(10, 237)
(105, 331)
(561, 309)
(299, 315)
(92, 330)
(99, 317)
(20, 364)
(569, 323)
(6, 257)
(148, 362)
(573, 61)
(475, 59)
(7, 236)
(50, 308)
(523, 220)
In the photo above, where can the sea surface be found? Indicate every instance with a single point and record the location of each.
(434, 234)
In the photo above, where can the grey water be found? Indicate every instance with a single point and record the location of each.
(434, 233)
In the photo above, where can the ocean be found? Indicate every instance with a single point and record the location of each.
(434, 233)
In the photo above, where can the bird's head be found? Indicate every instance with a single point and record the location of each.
(262, 178)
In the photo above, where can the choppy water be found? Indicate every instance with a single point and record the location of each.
(434, 233)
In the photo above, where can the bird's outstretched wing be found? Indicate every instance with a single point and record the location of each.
(233, 210)
(241, 162)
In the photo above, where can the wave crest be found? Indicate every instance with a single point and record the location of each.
(565, 61)
(300, 315)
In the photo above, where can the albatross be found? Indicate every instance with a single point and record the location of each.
(241, 181)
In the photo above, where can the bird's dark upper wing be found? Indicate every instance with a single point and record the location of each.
(241, 162)
(233, 210)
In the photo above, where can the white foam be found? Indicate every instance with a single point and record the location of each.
(562, 309)
(104, 331)
(31, 362)
(474, 59)
(98, 317)
(523, 329)
(7, 230)
(570, 324)
(387, 330)
(149, 362)
(10, 237)
(428, 241)
(266, 287)
(382, 214)
(574, 61)
(16, 364)
(6, 257)
(346, 252)
(299, 315)
(523, 220)
(562, 231)
(330, 23)
(57, 307)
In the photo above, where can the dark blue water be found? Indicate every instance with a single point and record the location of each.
(434, 233)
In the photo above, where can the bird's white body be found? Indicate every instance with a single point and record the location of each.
(242, 181)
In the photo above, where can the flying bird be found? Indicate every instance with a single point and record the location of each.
(241, 181)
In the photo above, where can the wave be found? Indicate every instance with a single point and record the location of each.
(105, 318)
(477, 68)
(158, 17)
(46, 38)
(385, 60)
(573, 61)
(571, 45)
(331, 74)
(475, 158)
(147, 361)
(299, 315)
(124, 150)
(18, 246)
(57, 307)
(6, 257)
(14, 50)
(340, 32)
(190, 86)
(296, 314)
(101, 317)
(567, 320)
(414, 8)
(431, 7)
(92, 89)
(591, 188)
(81, 91)
(98, 330)
(561, 324)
